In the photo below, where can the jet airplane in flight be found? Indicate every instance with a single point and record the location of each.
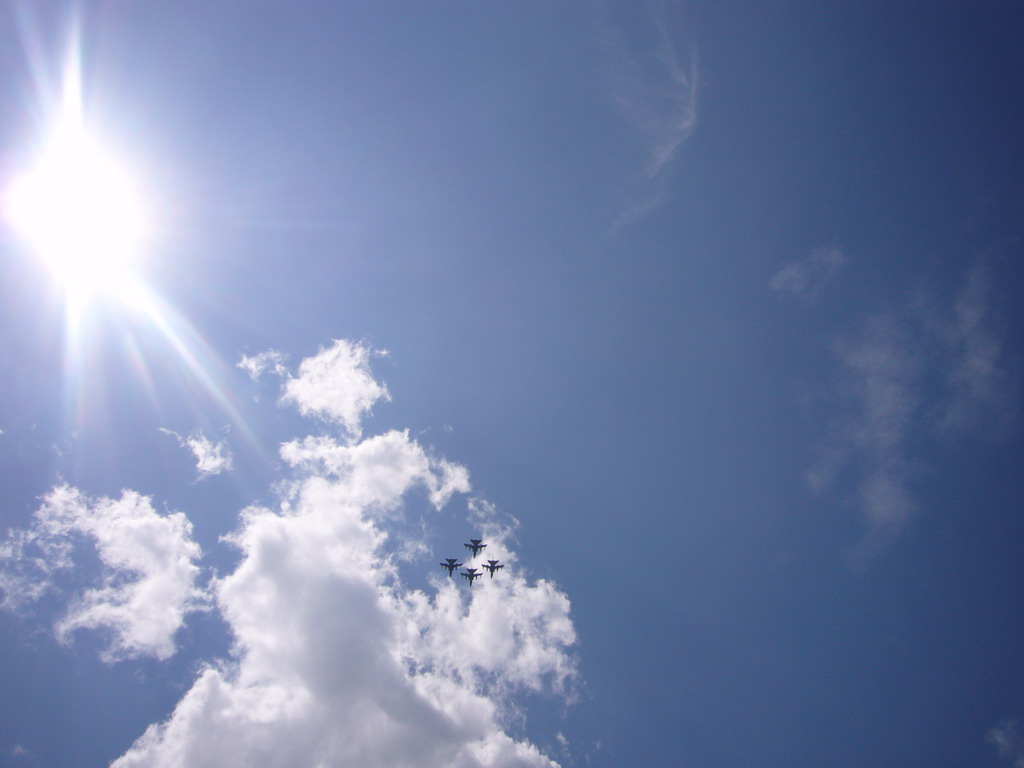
(492, 566)
(476, 545)
(471, 574)
(451, 565)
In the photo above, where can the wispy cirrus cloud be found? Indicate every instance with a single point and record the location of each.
(149, 573)
(807, 278)
(336, 660)
(211, 458)
(888, 405)
(654, 84)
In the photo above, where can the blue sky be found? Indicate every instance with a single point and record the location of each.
(704, 315)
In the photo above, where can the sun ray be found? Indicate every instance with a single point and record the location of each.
(202, 364)
(79, 211)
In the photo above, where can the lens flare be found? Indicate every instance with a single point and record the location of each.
(77, 208)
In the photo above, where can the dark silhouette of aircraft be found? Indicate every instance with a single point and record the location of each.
(471, 574)
(476, 545)
(451, 565)
(492, 566)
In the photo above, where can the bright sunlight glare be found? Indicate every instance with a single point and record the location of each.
(78, 209)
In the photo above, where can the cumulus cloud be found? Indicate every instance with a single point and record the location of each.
(377, 464)
(336, 659)
(211, 458)
(887, 410)
(148, 579)
(271, 360)
(336, 386)
(807, 278)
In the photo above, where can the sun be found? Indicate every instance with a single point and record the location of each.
(79, 209)
(81, 213)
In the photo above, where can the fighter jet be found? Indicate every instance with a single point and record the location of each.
(492, 566)
(451, 565)
(476, 545)
(471, 573)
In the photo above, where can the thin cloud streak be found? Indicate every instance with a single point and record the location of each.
(654, 87)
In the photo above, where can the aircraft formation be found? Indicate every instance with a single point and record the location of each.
(476, 546)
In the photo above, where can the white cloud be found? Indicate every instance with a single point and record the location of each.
(888, 410)
(148, 578)
(23, 756)
(211, 458)
(337, 661)
(271, 360)
(887, 503)
(883, 372)
(379, 469)
(29, 559)
(661, 95)
(806, 279)
(1007, 738)
(654, 87)
(336, 386)
(981, 391)
(879, 373)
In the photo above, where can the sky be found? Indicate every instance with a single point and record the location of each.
(703, 316)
